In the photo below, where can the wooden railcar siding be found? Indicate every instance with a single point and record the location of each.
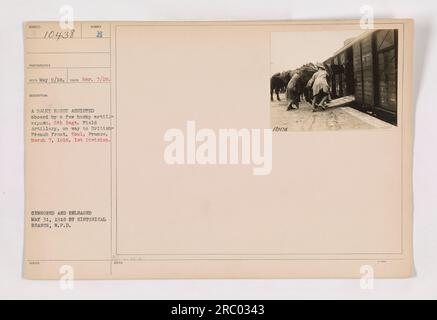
(368, 80)
(386, 50)
(358, 76)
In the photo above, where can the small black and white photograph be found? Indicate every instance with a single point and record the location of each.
(334, 80)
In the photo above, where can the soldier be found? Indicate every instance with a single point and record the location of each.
(320, 87)
(293, 94)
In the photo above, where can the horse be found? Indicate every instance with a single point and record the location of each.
(305, 74)
(277, 84)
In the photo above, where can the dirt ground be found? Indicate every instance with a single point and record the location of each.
(304, 119)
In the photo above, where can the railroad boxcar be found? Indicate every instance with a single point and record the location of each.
(366, 67)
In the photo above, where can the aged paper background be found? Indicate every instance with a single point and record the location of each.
(335, 201)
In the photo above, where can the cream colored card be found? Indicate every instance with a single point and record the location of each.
(161, 150)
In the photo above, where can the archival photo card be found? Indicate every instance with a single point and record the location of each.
(239, 149)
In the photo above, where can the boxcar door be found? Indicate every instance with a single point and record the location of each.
(349, 72)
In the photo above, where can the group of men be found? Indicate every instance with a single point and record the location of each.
(318, 84)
